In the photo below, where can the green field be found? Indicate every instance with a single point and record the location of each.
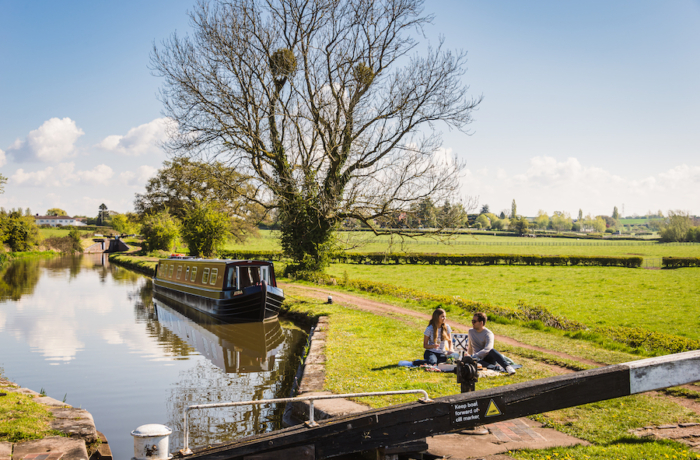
(485, 244)
(351, 368)
(60, 232)
(666, 301)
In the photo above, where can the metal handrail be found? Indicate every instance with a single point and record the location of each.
(310, 423)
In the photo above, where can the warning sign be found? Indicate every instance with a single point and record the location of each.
(474, 411)
(492, 410)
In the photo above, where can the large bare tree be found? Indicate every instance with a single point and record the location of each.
(328, 106)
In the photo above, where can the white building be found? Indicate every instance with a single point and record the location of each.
(55, 221)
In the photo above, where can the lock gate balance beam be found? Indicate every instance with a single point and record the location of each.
(389, 426)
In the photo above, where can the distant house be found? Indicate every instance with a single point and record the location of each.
(55, 221)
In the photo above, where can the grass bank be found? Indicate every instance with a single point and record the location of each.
(595, 296)
(363, 349)
(6, 257)
(22, 419)
(145, 265)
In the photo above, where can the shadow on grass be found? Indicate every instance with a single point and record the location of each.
(389, 366)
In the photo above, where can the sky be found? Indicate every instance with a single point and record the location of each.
(586, 105)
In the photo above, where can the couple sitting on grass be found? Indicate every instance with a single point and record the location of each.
(437, 341)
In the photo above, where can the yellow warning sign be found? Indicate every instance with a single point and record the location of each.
(492, 410)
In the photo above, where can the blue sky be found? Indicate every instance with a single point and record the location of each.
(587, 105)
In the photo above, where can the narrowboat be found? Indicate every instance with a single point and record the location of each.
(229, 290)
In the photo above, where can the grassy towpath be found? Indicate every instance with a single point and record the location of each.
(392, 332)
(385, 309)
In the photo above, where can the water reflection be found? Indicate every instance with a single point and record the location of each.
(239, 348)
(82, 327)
(19, 278)
(251, 361)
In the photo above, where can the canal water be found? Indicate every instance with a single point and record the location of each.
(90, 332)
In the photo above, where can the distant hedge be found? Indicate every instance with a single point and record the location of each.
(678, 262)
(381, 258)
(251, 255)
(487, 259)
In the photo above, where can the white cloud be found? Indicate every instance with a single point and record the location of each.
(98, 175)
(3, 158)
(143, 139)
(569, 185)
(51, 142)
(139, 177)
(58, 176)
(63, 175)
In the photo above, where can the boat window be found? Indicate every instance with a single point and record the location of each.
(179, 271)
(214, 274)
(231, 279)
(205, 276)
(170, 271)
(194, 274)
(265, 274)
(187, 274)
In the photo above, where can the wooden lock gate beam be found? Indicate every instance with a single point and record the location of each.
(386, 427)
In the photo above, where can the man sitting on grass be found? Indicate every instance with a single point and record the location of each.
(481, 342)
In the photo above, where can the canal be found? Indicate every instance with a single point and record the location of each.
(88, 331)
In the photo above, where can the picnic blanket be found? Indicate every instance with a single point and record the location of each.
(487, 370)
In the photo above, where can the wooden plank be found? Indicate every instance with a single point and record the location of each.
(297, 453)
(386, 427)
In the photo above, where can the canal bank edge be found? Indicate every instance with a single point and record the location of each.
(313, 375)
(82, 440)
(140, 264)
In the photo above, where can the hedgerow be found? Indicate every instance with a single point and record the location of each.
(251, 255)
(380, 258)
(488, 259)
(678, 262)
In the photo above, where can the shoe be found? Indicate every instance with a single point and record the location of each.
(510, 370)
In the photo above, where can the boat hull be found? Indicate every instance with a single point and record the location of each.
(256, 303)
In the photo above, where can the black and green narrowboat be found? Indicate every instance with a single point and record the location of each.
(229, 290)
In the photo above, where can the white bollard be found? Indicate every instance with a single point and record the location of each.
(151, 442)
(330, 299)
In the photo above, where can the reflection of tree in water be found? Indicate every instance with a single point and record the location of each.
(19, 277)
(206, 383)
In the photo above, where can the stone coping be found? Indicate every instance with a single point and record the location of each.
(77, 424)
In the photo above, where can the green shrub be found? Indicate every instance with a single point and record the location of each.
(678, 262)
(160, 231)
(205, 229)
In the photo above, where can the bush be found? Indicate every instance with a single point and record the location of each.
(160, 231)
(205, 229)
(18, 231)
(678, 262)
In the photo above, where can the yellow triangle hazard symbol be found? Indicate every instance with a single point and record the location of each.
(492, 410)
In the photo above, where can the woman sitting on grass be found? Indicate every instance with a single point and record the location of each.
(437, 339)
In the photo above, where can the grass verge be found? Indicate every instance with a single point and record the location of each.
(22, 419)
(145, 265)
(363, 349)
